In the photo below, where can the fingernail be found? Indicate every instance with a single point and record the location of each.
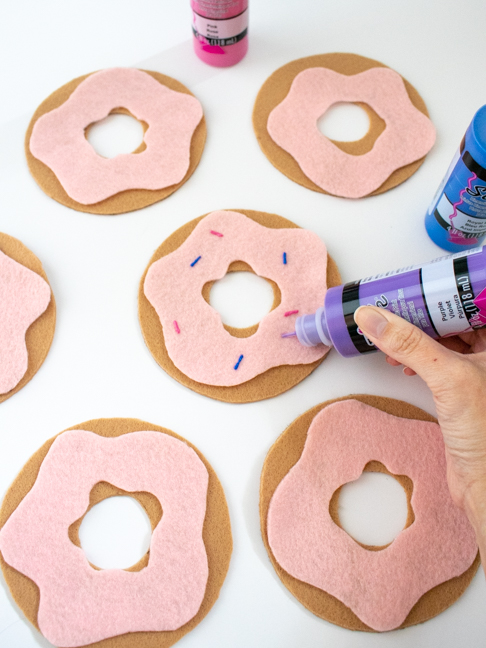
(370, 321)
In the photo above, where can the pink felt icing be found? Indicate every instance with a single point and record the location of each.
(203, 349)
(408, 135)
(78, 604)
(24, 296)
(380, 587)
(58, 138)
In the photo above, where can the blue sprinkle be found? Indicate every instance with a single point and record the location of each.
(238, 363)
(285, 258)
(195, 261)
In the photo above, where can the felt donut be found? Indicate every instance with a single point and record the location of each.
(414, 578)
(68, 169)
(158, 600)
(186, 335)
(294, 97)
(27, 315)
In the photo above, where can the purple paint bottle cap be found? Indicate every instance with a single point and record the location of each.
(312, 330)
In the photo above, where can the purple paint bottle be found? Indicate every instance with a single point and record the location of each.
(444, 297)
(220, 29)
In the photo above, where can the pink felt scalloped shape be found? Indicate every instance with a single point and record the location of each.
(24, 296)
(380, 587)
(408, 135)
(58, 138)
(199, 345)
(78, 604)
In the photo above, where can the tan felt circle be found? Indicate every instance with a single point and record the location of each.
(276, 88)
(216, 534)
(41, 332)
(122, 202)
(284, 453)
(266, 385)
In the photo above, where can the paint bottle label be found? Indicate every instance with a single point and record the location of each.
(442, 298)
(459, 206)
(220, 32)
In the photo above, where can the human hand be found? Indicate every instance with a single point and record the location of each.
(455, 372)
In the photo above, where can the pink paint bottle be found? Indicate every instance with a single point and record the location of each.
(220, 29)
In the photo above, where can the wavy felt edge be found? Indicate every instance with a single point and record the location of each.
(267, 385)
(40, 333)
(295, 259)
(284, 453)
(122, 202)
(275, 89)
(408, 136)
(216, 535)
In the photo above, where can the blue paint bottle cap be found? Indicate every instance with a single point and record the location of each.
(477, 140)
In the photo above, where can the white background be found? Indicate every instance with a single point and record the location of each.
(99, 366)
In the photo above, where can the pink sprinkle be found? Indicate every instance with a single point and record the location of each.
(294, 312)
(216, 233)
(176, 326)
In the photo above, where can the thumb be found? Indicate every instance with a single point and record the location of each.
(405, 343)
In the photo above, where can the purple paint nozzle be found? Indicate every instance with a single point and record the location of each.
(312, 330)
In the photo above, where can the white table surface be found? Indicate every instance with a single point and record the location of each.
(99, 366)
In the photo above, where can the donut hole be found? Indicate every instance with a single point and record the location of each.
(375, 508)
(344, 122)
(118, 133)
(116, 529)
(115, 533)
(242, 298)
(347, 124)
